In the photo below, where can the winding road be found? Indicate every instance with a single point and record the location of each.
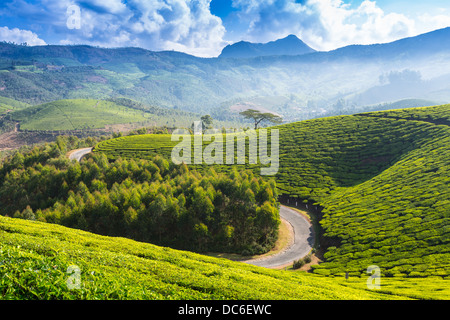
(302, 243)
(79, 153)
(300, 246)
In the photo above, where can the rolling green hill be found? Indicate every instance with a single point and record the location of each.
(74, 114)
(7, 106)
(11, 104)
(382, 179)
(35, 258)
(82, 114)
(3, 109)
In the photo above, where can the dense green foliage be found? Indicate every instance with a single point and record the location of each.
(35, 257)
(382, 178)
(148, 200)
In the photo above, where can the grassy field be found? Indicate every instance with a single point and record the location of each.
(381, 177)
(35, 258)
(3, 109)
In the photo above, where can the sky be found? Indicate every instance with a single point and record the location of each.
(204, 27)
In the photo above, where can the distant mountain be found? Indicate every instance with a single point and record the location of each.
(285, 76)
(289, 46)
(424, 44)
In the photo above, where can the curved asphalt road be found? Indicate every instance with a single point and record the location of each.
(301, 246)
(79, 154)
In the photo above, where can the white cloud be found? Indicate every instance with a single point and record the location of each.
(189, 26)
(428, 22)
(271, 19)
(366, 24)
(181, 25)
(20, 36)
(178, 25)
(323, 24)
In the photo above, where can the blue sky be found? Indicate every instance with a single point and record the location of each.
(204, 27)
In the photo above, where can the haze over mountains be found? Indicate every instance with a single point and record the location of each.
(285, 76)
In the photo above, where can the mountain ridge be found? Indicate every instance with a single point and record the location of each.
(290, 45)
(16, 51)
(298, 87)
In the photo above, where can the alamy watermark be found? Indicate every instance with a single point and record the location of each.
(374, 280)
(232, 150)
(73, 13)
(73, 282)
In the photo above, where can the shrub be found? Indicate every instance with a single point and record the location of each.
(307, 259)
(298, 264)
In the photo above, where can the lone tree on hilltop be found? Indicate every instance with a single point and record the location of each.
(207, 122)
(259, 117)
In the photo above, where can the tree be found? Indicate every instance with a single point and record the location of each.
(207, 122)
(203, 125)
(259, 117)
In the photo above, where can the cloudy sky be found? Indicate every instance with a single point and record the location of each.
(204, 27)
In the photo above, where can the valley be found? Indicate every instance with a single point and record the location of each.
(88, 180)
(299, 86)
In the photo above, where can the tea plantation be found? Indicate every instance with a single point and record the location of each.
(83, 114)
(75, 114)
(382, 179)
(35, 258)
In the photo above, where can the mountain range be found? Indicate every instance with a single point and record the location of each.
(289, 46)
(285, 76)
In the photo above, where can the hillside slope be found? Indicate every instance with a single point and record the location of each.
(75, 114)
(382, 179)
(35, 258)
(398, 220)
(82, 114)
